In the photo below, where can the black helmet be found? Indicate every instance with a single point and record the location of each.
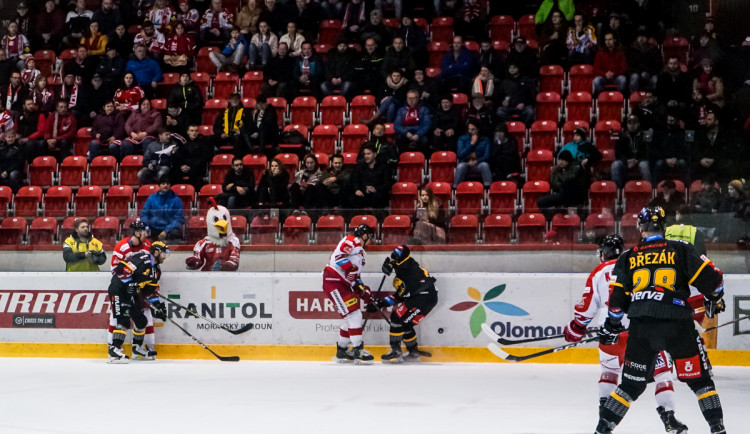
(611, 246)
(400, 253)
(138, 225)
(363, 229)
(651, 219)
(159, 246)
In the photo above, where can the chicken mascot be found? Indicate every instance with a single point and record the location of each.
(220, 250)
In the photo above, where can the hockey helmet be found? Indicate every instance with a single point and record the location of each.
(652, 219)
(138, 225)
(362, 230)
(400, 254)
(611, 246)
(159, 246)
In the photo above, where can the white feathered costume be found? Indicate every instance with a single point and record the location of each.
(220, 250)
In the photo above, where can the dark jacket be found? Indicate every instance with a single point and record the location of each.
(246, 180)
(111, 70)
(153, 155)
(570, 182)
(504, 158)
(28, 125)
(340, 65)
(111, 125)
(414, 37)
(108, 20)
(194, 153)
(377, 176)
(189, 98)
(11, 157)
(402, 60)
(678, 88)
(272, 190)
(279, 69)
(267, 127)
(463, 66)
(519, 89)
(368, 69)
(379, 33)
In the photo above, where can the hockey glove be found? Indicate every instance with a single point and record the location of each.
(609, 334)
(364, 291)
(160, 310)
(193, 263)
(713, 306)
(574, 331)
(387, 267)
(385, 302)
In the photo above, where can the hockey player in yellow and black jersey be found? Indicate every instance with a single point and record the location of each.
(415, 297)
(134, 280)
(651, 283)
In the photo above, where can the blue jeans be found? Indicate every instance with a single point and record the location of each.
(389, 108)
(463, 169)
(601, 82)
(265, 54)
(620, 172)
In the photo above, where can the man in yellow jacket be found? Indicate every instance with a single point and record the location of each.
(81, 251)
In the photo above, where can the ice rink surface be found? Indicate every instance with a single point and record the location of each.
(169, 396)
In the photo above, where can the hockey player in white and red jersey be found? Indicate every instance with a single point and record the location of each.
(594, 300)
(343, 285)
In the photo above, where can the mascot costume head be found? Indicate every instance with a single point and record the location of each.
(220, 250)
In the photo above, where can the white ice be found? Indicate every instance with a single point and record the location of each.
(167, 396)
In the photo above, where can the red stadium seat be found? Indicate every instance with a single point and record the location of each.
(390, 132)
(208, 190)
(220, 165)
(422, 23)
(403, 195)
(142, 195)
(291, 162)
(196, 228)
(365, 219)
(252, 81)
(604, 132)
(518, 131)
(6, 200)
(102, 170)
(610, 106)
(442, 29)
(224, 84)
(248, 103)
(603, 168)
(42, 231)
(679, 186)
(106, 229)
(45, 61)
(129, 168)
(186, 193)
(297, 230)
(498, 229)
(531, 228)
(526, 27)
(68, 224)
(350, 159)
(501, 28)
(578, 106)
(543, 136)
(324, 139)
(57, 201)
(443, 191)
(212, 109)
(443, 166)
(411, 167)
(432, 72)
(159, 104)
(68, 54)
(322, 50)
(42, 171)
(333, 110)
(503, 47)
(548, 106)
(678, 47)
(503, 197)
(539, 165)
(164, 87)
(263, 229)
(569, 127)
(464, 229)
(87, 201)
(28, 200)
(330, 229)
(203, 79)
(117, 201)
(532, 191)
(328, 31)
(436, 50)
(257, 163)
(203, 63)
(12, 231)
(73, 171)
(635, 99)
(602, 195)
(566, 227)
(302, 129)
(599, 225)
(551, 79)
(469, 197)
(239, 226)
(303, 110)
(396, 229)
(82, 141)
(581, 78)
(636, 195)
(461, 103)
(629, 229)
(279, 104)
(362, 108)
(353, 136)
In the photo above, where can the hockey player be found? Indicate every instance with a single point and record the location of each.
(650, 282)
(415, 297)
(134, 280)
(343, 285)
(595, 298)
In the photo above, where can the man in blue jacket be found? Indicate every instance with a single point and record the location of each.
(473, 155)
(457, 67)
(146, 70)
(413, 124)
(163, 212)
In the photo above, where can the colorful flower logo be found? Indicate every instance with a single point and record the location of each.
(479, 316)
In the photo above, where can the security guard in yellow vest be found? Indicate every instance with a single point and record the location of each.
(681, 231)
(81, 251)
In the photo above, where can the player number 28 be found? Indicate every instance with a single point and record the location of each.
(663, 278)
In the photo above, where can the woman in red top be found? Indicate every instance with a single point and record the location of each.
(179, 50)
(129, 93)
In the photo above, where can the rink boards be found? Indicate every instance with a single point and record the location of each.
(59, 314)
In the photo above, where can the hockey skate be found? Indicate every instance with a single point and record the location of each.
(343, 355)
(142, 352)
(414, 354)
(671, 424)
(361, 356)
(604, 427)
(117, 356)
(717, 427)
(395, 356)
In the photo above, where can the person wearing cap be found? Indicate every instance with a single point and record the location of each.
(163, 212)
(228, 126)
(473, 152)
(568, 185)
(582, 150)
(631, 154)
(339, 71)
(376, 30)
(505, 160)
(81, 250)
(30, 73)
(457, 67)
(23, 18)
(517, 95)
(107, 16)
(262, 130)
(581, 41)
(524, 58)
(92, 100)
(232, 54)
(610, 66)
(447, 126)
(645, 63)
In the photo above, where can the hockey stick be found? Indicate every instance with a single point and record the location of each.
(496, 350)
(380, 287)
(222, 358)
(725, 324)
(502, 341)
(197, 315)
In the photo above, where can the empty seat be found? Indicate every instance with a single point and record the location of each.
(543, 135)
(42, 231)
(103, 170)
(501, 28)
(186, 193)
(411, 167)
(195, 229)
(202, 79)
(578, 106)
(297, 230)
(45, 60)
(635, 99)
(565, 228)
(212, 109)
(239, 226)
(678, 47)
(443, 166)
(353, 136)
(263, 229)
(82, 140)
(362, 108)
(396, 229)
(551, 78)
(548, 106)
(303, 111)
(532, 191)
(330, 229)
(469, 197)
(279, 104)
(443, 191)
(629, 229)
(87, 200)
(129, 168)
(581, 78)
(679, 186)
(333, 110)
(461, 103)
(57, 201)
(252, 81)
(257, 163)
(6, 200)
(539, 165)
(503, 197)
(42, 171)
(610, 106)
(142, 195)
(403, 195)
(436, 50)
(220, 165)
(526, 27)
(531, 228)
(598, 225)
(604, 133)
(117, 201)
(164, 87)
(602, 195)
(208, 190)
(350, 159)
(203, 63)
(328, 31)
(324, 139)
(106, 229)
(224, 84)
(159, 104)
(518, 131)
(73, 171)
(12, 231)
(636, 195)
(442, 29)
(27, 201)
(498, 229)
(365, 219)
(464, 229)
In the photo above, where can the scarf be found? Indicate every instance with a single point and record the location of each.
(65, 123)
(395, 86)
(411, 118)
(486, 88)
(11, 96)
(73, 94)
(305, 65)
(360, 15)
(237, 124)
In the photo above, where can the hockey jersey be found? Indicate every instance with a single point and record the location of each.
(217, 19)
(141, 270)
(162, 18)
(596, 295)
(214, 257)
(124, 250)
(348, 260)
(128, 98)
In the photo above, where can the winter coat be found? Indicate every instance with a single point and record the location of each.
(451, 67)
(481, 149)
(425, 122)
(163, 211)
(402, 60)
(139, 122)
(340, 65)
(109, 125)
(153, 155)
(272, 190)
(146, 71)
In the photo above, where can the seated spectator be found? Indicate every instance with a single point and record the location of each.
(484, 83)
(429, 219)
(158, 157)
(517, 96)
(42, 96)
(108, 130)
(293, 39)
(706, 201)
(552, 34)
(414, 38)
(248, 16)
(471, 20)
(178, 120)
(145, 70)
(354, 20)
(129, 95)
(82, 66)
(60, 131)
(619, 27)
(669, 198)
(524, 58)
(306, 191)
(710, 85)
(275, 15)
(81, 251)
(108, 16)
(447, 126)
(111, 67)
(229, 126)
(152, 39)
(457, 67)
(179, 50)
(308, 17)
(190, 162)
(51, 25)
(77, 22)
(263, 46)
(187, 96)
(215, 25)
(706, 48)
(491, 58)
(375, 29)
(370, 182)
(92, 99)
(272, 189)
(505, 160)
(263, 128)
(392, 96)
(673, 86)
(94, 42)
(121, 41)
(569, 186)
(399, 57)
(309, 71)
(16, 46)
(339, 71)
(644, 62)
(610, 67)
(278, 74)
(426, 88)
(337, 183)
(668, 152)
(163, 213)
(699, 108)
(651, 113)
(188, 17)
(238, 188)
(480, 110)
(582, 150)
(368, 67)
(14, 94)
(30, 127)
(30, 73)
(140, 129)
(387, 153)
(161, 16)
(7, 66)
(412, 125)
(581, 41)
(631, 154)
(714, 151)
(230, 58)
(11, 161)
(473, 156)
